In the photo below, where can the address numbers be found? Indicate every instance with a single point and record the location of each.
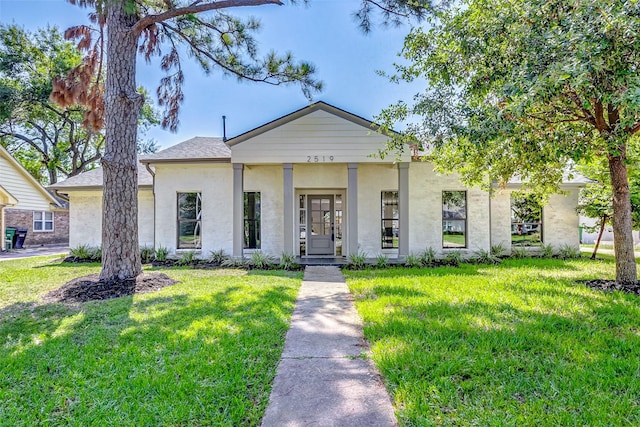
(319, 159)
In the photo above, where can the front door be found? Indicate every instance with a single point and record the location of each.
(320, 219)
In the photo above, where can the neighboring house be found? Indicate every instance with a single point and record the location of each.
(309, 184)
(25, 203)
(607, 235)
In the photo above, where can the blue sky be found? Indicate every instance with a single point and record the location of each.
(323, 33)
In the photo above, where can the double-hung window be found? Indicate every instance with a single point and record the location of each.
(252, 220)
(43, 221)
(454, 219)
(189, 220)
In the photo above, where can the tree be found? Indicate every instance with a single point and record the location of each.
(527, 87)
(215, 39)
(49, 140)
(596, 198)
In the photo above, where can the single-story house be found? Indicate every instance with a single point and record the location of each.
(310, 184)
(25, 203)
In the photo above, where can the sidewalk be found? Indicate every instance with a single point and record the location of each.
(35, 251)
(322, 378)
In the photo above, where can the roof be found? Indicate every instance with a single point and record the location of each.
(7, 197)
(192, 150)
(91, 180)
(303, 112)
(18, 166)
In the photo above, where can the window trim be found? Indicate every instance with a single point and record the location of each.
(395, 244)
(197, 220)
(257, 222)
(465, 219)
(44, 221)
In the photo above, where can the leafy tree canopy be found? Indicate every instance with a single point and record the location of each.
(50, 141)
(528, 87)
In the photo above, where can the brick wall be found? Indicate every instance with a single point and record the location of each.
(24, 218)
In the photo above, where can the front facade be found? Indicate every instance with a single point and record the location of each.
(26, 204)
(311, 184)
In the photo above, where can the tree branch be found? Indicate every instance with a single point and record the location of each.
(195, 8)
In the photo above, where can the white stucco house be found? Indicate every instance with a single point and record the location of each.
(309, 184)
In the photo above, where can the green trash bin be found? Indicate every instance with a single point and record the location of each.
(10, 232)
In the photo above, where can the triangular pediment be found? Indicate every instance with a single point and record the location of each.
(319, 133)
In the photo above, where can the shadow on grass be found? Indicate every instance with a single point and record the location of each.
(203, 357)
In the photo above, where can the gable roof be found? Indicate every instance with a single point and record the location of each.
(197, 149)
(28, 177)
(320, 105)
(92, 180)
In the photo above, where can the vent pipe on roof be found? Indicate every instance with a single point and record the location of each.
(224, 128)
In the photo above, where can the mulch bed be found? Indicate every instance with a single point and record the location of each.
(612, 285)
(90, 288)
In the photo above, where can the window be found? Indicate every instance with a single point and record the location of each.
(189, 220)
(454, 219)
(526, 220)
(252, 220)
(390, 221)
(43, 221)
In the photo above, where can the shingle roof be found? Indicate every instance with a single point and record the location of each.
(197, 148)
(93, 179)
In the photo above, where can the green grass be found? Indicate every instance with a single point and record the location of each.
(201, 352)
(517, 344)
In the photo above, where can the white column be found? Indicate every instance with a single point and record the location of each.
(238, 209)
(352, 208)
(289, 208)
(403, 208)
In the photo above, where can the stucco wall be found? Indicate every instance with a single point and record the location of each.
(268, 180)
(501, 219)
(85, 218)
(215, 182)
(560, 220)
(425, 214)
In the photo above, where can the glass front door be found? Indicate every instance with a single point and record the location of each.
(320, 220)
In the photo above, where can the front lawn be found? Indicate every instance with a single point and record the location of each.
(517, 344)
(201, 352)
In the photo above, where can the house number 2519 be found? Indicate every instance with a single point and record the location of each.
(319, 159)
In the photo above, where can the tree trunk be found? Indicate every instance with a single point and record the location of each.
(603, 222)
(622, 227)
(120, 250)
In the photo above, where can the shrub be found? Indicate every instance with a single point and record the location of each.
(357, 261)
(568, 252)
(187, 258)
(519, 253)
(147, 254)
(382, 261)
(162, 253)
(261, 261)
(452, 259)
(482, 256)
(81, 252)
(413, 261)
(288, 262)
(546, 251)
(498, 250)
(231, 262)
(217, 257)
(428, 257)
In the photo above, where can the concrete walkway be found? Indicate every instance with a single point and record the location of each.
(34, 251)
(322, 380)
